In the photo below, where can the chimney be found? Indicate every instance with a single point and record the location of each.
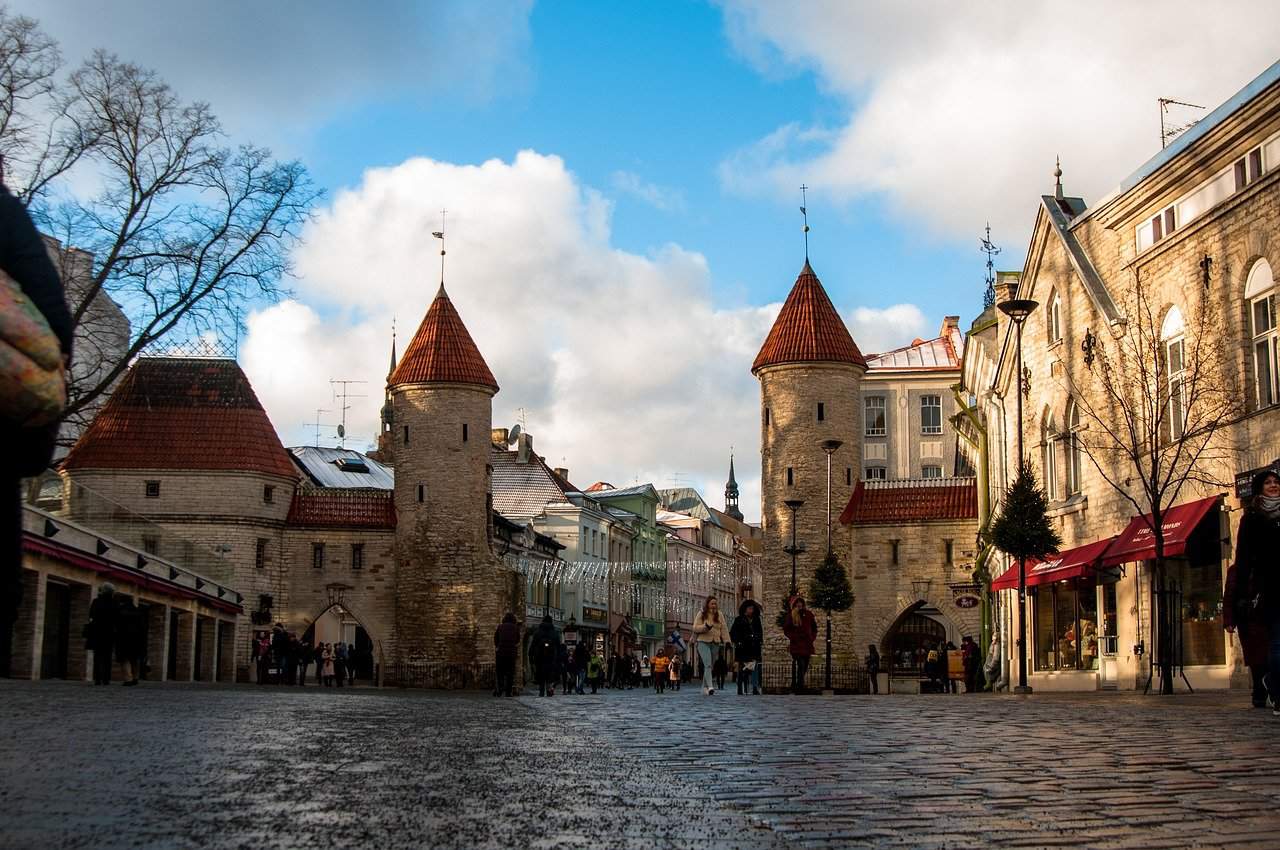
(1007, 285)
(562, 472)
(949, 323)
(498, 436)
(524, 447)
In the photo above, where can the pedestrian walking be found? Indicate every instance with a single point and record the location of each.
(327, 657)
(37, 354)
(971, 657)
(1256, 599)
(661, 664)
(674, 670)
(544, 650)
(100, 632)
(710, 633)
(131, 640)
(506, 649)
(748, 642)
(581, 655)
(340, 663)
(873, 667)
(305, 654)
(801, 630)
(595, 670)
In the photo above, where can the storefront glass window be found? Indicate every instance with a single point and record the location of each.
(1066, 626)
(1201, 586)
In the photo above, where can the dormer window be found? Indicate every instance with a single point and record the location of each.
(352, 464)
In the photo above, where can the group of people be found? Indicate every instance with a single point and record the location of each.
(282, 657)
(116, 632)
(1251, 598)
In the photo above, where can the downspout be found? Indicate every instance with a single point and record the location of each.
(980, 571)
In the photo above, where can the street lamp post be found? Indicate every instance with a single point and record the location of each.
(829, 446)
(793, 505)
(1018, 309)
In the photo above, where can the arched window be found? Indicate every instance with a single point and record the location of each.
(1054, 318)
(1173, 345)
(1073, 449)
(1050, 438)
(1260, 292)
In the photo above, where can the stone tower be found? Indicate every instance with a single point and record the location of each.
(810, 373)
(731, 494)
(451, 590)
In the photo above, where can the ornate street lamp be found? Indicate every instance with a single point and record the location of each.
(828, 446)
(1018, 309)
(793, 505)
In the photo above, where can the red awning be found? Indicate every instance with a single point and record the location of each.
(1137, 543)
(1072, 563)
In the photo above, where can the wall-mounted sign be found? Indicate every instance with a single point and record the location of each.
(596, 614)
(967, 601)
(1244, 480)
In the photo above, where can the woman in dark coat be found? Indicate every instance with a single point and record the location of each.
(544, 650)
(747, 635)
(1255, 591)
(801, 630)
(131, 638)
(100, 633)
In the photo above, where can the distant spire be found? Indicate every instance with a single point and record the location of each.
(393, 349)
(1057, 178)
(439, 234)
(804, 211)
(731, 492)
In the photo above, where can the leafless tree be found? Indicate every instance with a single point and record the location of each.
(184, 232)
(1152, 406)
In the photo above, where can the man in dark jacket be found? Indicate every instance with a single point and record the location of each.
(747, 635)
(131, 641)
(544, 649)
(24, 258)
(506, 645)
(581, 655)
(100, 633)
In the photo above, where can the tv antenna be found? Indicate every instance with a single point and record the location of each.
(1170, 131)
(345, 394)
(524, 420)
(318, 423)
(989, 248)
(804, 211)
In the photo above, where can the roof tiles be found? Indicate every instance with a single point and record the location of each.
(334, 508)
(911, 500)
(181, 413)
(808, 329)
(442, 351)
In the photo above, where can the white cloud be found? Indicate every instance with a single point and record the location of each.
(879, 330)
(659, 197)
(955, 112)
(625, 366)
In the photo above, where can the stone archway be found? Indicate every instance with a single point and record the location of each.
(337, 622)
(920, 625)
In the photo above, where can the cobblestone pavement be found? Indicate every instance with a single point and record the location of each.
(207, 766)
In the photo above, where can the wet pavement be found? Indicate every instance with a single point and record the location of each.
(240, 766)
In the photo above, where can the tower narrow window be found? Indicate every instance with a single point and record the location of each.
(893, 551)
(317, 556)
(791, 478)
(822, 411)
(766, 416)
(848, 476)
(948, 552)
(422, 492)
(260, 554)
(357, 556)
(153, 489)
(464, 432)
(406, 435)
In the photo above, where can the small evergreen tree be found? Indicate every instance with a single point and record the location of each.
(1022, 530)
(830, 590)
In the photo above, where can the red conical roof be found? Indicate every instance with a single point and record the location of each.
(808, 329)
(442, 351)
(184, 414)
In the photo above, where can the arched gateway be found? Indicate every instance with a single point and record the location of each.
(338, 623)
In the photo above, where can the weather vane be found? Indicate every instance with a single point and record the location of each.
(989, 248)
(439, 234)
(804, 203)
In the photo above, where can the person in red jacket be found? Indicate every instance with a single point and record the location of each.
(801, 629)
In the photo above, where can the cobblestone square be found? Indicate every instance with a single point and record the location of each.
(236, 766)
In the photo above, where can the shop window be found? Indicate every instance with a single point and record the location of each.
(1066, 626)
(1200, 587)
(874, 416)
(1260, 292)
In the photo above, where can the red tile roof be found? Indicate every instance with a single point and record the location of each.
(181, 413)
(911, 500)
(343, 509)
(442, 351)
(808, 329)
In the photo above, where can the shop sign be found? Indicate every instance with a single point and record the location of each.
(1244, 480)
(596, 614)
(967, 601)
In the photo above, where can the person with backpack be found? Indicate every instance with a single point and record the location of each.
(544, 650)
(747, 635)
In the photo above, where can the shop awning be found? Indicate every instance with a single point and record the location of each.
(1137, 542)
(1072, 563)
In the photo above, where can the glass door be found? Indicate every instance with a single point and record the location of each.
(1108, 638)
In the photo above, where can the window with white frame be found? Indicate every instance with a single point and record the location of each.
(1173, 345)
(931, 471)
(1055, 318)
(1049, 439)
(876, 473)
(1260, 292)
(931, 414)
(875, 416)
(1074, 465)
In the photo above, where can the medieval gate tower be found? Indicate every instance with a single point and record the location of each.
(810, 373)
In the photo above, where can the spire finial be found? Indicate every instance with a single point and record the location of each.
(439, 234)
(804, 203)
(1057, 177)
(393, 347)
(989, 248)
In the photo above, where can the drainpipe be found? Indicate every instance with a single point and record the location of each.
(980, 444)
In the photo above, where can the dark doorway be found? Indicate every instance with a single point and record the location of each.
(911, 639)
(199, 654)
(171, 663)
(364, 654)
(57, 631)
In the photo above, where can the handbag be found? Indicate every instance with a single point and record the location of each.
(33, 387)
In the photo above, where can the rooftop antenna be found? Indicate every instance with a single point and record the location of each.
(1169, 132)
(524, 421)
(439, 234)
(345, 394)
(675, 478)
(317, 424)
(989, 248)
(804, 211)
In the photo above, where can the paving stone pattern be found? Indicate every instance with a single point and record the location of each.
(240, 766)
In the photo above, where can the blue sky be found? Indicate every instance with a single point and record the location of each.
(623, 179)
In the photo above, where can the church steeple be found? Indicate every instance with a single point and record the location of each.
(731, 494)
